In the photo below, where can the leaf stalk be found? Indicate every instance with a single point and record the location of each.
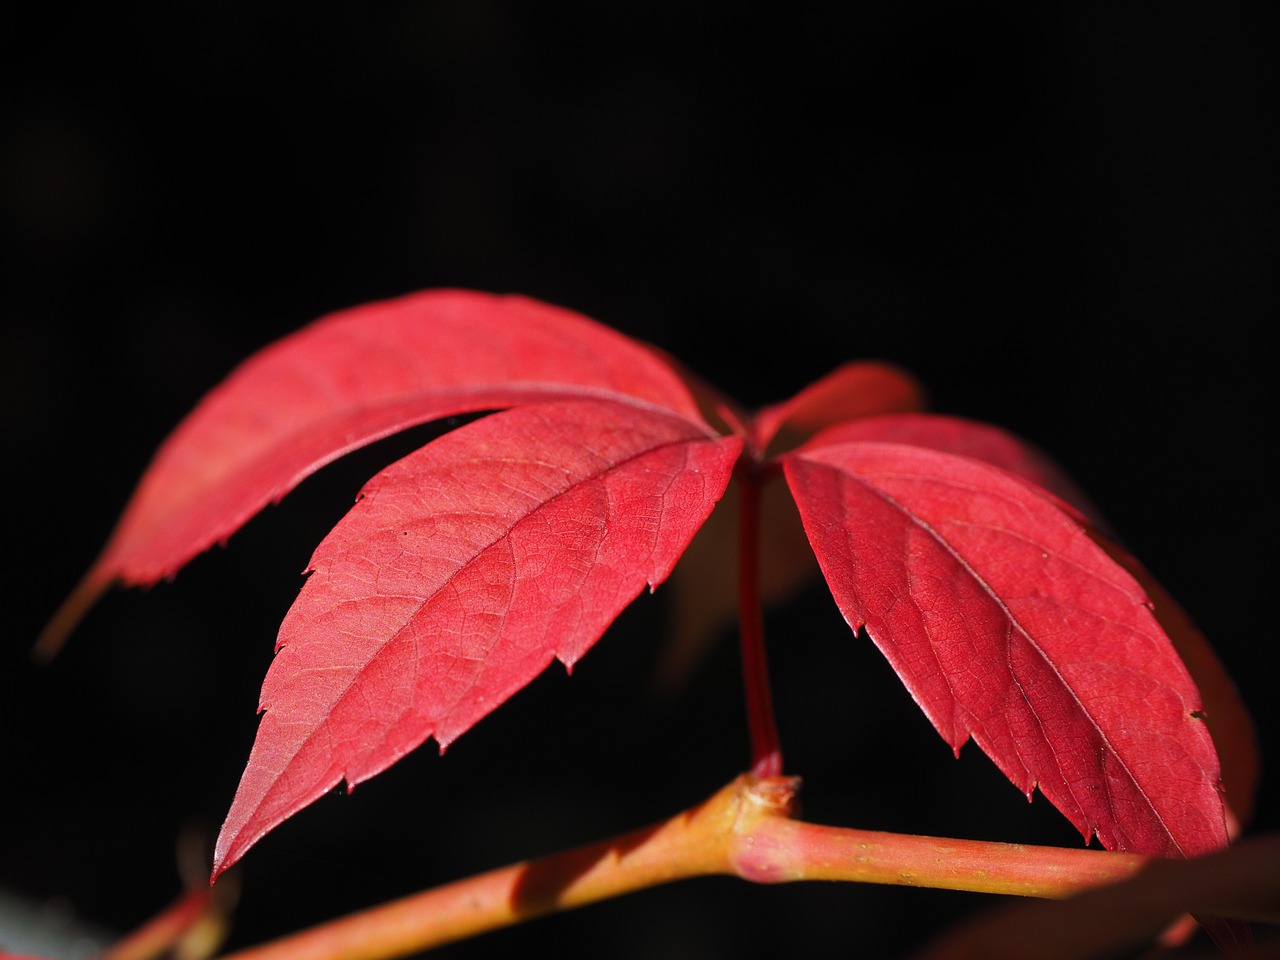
(766, 749)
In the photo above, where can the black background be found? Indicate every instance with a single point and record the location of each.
(1063, 223)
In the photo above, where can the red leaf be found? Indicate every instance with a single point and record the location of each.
(850, 392)
(1230, 722)
(343, 382)
(1228, 719)
(1007, 623)
(966, 438)
(464, 570)
(702, 597)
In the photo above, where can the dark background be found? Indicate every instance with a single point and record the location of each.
(1063, 222)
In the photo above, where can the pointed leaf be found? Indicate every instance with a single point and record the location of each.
(343, 382)
(1229, 720)
(464, 570)
(1007, 623)
(1225, 713)
(851, 391)
(966, 438)
(705, 588)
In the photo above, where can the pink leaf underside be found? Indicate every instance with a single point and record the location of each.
(462, 572)
(852, 391)
(1007, 623)
(352, 378)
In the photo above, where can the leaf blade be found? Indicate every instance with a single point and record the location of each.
(848, 393)
(359, 375)
(465, 569)
(966, 438)
(1008, 624)
(1228, 718)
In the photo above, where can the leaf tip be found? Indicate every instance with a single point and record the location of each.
(222, 858)
(68, 616)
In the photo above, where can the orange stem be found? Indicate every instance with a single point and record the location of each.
(745, 830)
